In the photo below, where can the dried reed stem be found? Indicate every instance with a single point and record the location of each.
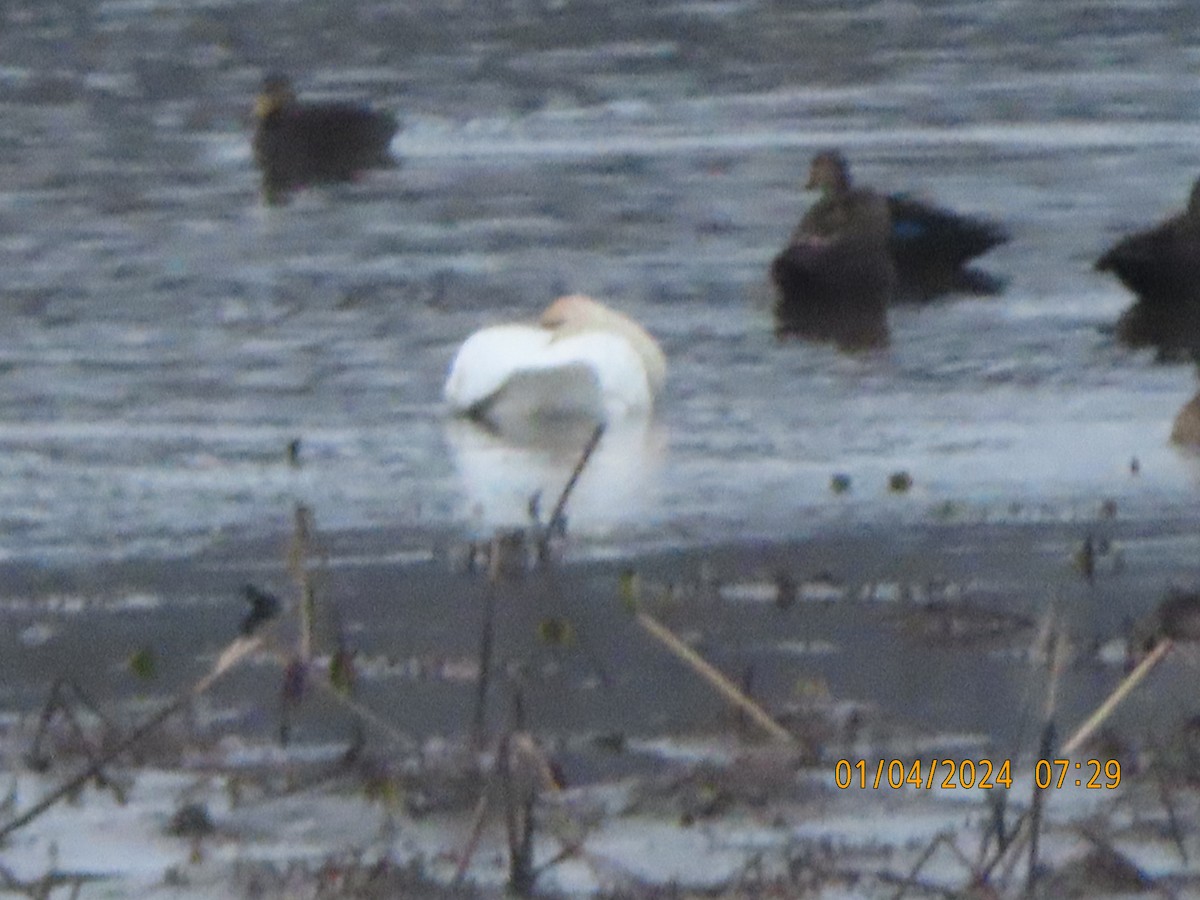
(556, 516)
(1084, 732)
(705, 670)
(1132, 680)
(237, 651)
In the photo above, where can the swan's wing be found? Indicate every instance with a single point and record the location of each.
(616, 364)
(521, 370)
(487, 360)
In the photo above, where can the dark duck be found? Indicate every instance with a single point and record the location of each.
(300, 144)
(1161, 266)
(932, 248)
(836, 277)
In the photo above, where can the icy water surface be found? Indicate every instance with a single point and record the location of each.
(166, 337)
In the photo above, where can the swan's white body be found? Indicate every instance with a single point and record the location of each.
(499, 471)
(581, 359)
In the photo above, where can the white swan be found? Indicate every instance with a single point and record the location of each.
(581, 359)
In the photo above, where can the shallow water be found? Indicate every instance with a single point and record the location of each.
(167, 337)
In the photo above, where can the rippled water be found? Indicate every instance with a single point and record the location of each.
(166, 337)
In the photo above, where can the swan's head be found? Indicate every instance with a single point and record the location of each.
(829, 173)
(576, 313)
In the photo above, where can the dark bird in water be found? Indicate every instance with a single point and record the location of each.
(932, 248)
(1161, 266)
(299, 144)
(836, 277)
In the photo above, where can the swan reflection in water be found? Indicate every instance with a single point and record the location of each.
(505, 477)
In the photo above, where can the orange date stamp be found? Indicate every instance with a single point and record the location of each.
(982, 774)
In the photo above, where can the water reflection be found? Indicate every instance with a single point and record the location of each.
(501, 475)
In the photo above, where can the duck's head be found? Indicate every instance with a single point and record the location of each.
(829, 173)
(276, 94)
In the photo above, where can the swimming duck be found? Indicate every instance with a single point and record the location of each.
(298, 144)
(930, 246)
(581, 359)
(836, 277)
(1161, 265)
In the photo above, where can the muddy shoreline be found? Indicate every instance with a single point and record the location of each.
(916, 642)
(901, 589)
